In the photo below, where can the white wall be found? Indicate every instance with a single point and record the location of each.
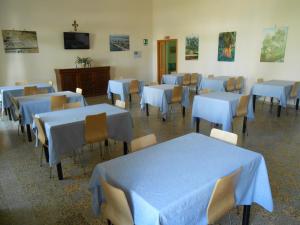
(207, 18)
(98, 17)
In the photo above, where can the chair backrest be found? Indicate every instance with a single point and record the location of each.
(230, 84)
(79, 91)
(222, 199)
(242, 108)
(194, 78)
(134, 87)
(57, 102)
(31, 90)
(186, 80)
(177, 94)
(120, 104)
(71, 105)
(239, 83)
(224, 136)
(203, 91)
(18, 83)
(153, 83)
(117, 211)
(260, 80)
(41, 130)
(95, 128)
(16, 110)
(143, 142)
(211, 76)
(295, 88)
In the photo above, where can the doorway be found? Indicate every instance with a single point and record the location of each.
(166, 57)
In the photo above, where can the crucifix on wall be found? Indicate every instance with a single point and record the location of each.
(75, 25)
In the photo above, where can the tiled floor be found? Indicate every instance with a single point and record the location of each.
(28, 196)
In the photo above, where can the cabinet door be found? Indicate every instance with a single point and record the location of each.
(68, 81)
(85, 83)
(100, 82)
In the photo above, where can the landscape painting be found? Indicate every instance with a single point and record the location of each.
(191, 48)
(20, 41)
(226, 50)
(119, 43)
(274, 43)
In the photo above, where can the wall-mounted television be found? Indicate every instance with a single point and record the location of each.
(76, 40)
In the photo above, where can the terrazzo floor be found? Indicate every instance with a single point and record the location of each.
(29, 196)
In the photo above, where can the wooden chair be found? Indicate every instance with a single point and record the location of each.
(95, 130)
(42, 91)
(120, 104)
(230, 84)
(186, 80)
(71, 105)
(143, 142)
(177, 94)
(31, 90)
(41, 135)
(16, 113)
(222, 199)
(224, 136)
(260, 80)
(133, 88)
(211, 76)
(194, 81)
(79, 91)
(57, 102)
(295, 89)
(204, 91)
(242, 111)
(116, 209)
(19, 83)
(239, 83)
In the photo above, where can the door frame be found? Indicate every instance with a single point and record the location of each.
(158, 77)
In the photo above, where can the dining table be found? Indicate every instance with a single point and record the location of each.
(279, 89)
(171, 183)
(121, 88)
(65, 130)
(30, 105)
(217, 83)
(177, 78)
(218, 108)
(6, 92)
(160, 96)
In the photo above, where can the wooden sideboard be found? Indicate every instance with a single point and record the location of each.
(93, 81)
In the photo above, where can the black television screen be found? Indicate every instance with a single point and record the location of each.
(74, 40)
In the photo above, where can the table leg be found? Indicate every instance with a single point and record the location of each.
(183, 111)
(147, 109)
(246, 214)
(272, 100)
(278, 110)
(9, 114)
(125, 148)
(130, 98)
(59, 171)
(254, 101)
(297, 104)
(245, 124)
(46, 152)
(28, 130)
(5, 111)
(197, 124)
(112, 98)
(106, 142)
(196, 89)
(22, 128)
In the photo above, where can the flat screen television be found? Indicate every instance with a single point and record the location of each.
(75, 40)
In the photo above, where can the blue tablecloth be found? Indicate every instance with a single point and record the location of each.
(279, 89)
(15, 91)
(65, 129)
(34, 104)
(218, 107)
(121, 87)
(171, 183)
(161, 95)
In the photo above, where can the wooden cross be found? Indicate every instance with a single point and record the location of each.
(75, 25)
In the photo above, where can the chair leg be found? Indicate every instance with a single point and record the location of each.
(108, 222)
(50, 172)
(101, 152)
(244, 124)
(41, 157)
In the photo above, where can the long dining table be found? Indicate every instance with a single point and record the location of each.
(65, 130)
(34, 104)
(6, 92)
(171, 183)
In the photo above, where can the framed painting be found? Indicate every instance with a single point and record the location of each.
(226, 49)
(119, 43)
